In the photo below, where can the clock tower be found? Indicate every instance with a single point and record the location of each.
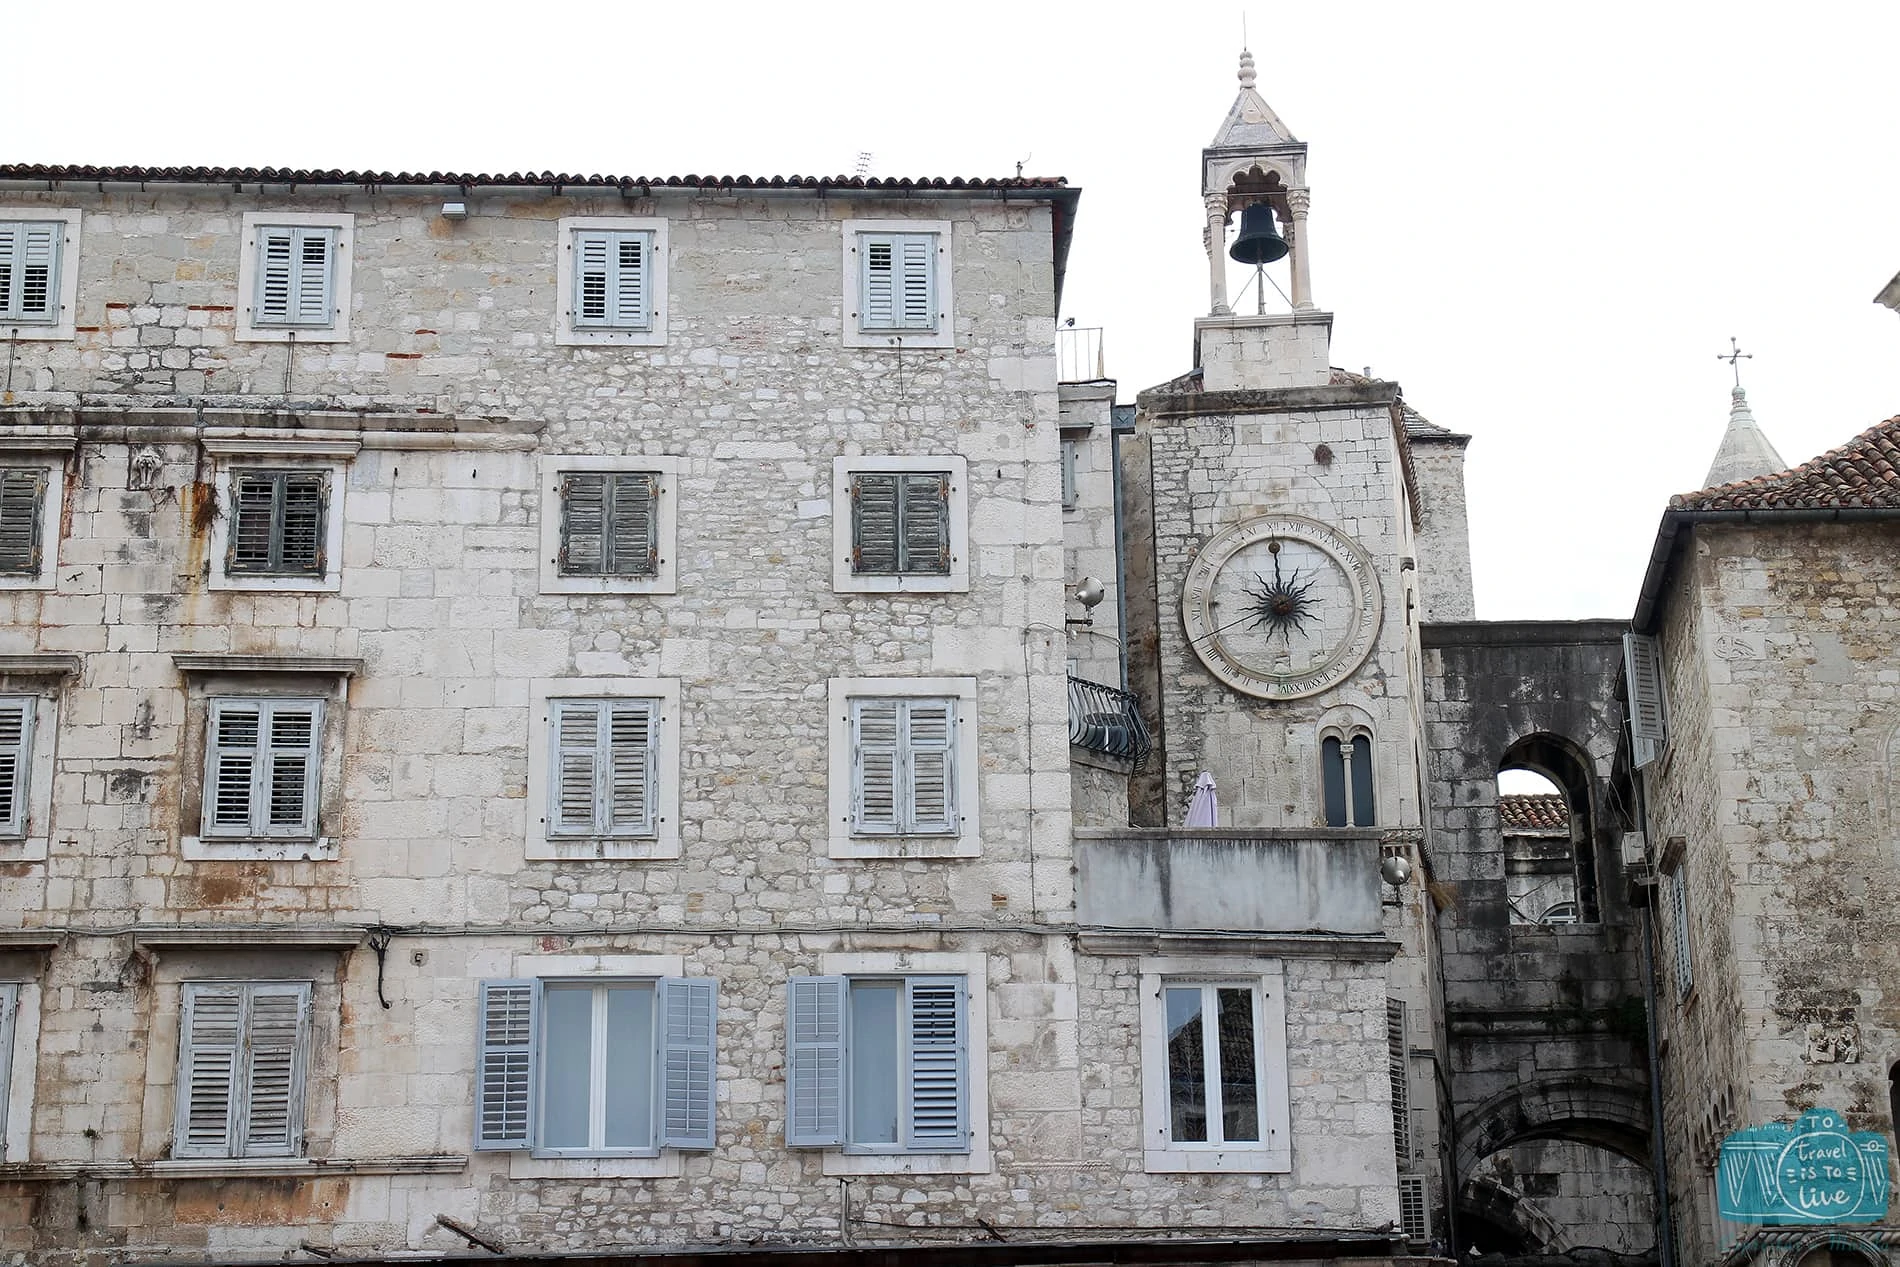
(1282, 559)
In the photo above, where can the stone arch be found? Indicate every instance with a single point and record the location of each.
(1489, 1205)
(1593, 1110)
(1254, 177)
(1570, 768)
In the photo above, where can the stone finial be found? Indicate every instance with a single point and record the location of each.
(1247, 76)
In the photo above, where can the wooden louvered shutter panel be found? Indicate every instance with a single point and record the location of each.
(315, 261)
(628, 791)
(276, 276)
(22, 493)
(875, 496)
(630, 281)
(814, 1061)
(1642, 672)
(9, 1015)
(875, 757)
(877, 269)
(1398, 1067)
(16, 764)
(300, 538)
(11, 237)
(210, 1040)
(271, 1113)
(592, 278)
(290, 797)
(688, 1061)
(917, 274)
(254, 498)
(583, 523)
(926, 517)
(929, 760)
(576, 747)
(232, 766)
(936, 1066)
(38, 272)
(633, 541)
(504, 1065)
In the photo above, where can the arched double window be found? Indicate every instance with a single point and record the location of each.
(1346, 779)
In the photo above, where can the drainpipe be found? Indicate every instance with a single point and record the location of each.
(1665, 1232)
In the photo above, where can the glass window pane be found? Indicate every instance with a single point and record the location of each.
(876, 1061)
(1362, 814)
(567, 1033)
(1187, 1066)
(1239, 1083)
(629, 1066)
(1332, 765)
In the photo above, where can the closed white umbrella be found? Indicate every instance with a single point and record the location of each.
(1204, 809)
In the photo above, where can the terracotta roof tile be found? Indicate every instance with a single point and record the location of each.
(333, 176)
(1863, 474)
(1533, 813)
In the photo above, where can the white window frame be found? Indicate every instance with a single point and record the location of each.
(52, 502)
(664, 841)
(663, 578)
(943, 334)
(328, 459)
(19, 1052)
(342, 261)
(847, 843)
(845, 581)
(66, 277)
(1161, 1154)
(653, 334)
(974, 969)
(235, 1148)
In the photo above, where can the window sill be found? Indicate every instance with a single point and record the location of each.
(249, 849)
(248, 333)
(898, 340)
(242, 582)
(956, 581)
(1172, 1161)
(605, 849)
(844, 1165)
(661, 582)
(527, 1166)
(652, 337)
(847, 847)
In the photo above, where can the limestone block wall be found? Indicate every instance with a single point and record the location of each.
(1088, 528)
(1444, 535)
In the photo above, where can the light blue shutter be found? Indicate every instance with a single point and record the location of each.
(504, 1065)
(875, 757)
(917, 271)
(630, 281)
(1642, 672)
(295, 267)
(315, 265)
(575, 743)
(626, 795)
(688, 1061)
(929, 782)
(292, 758)
(12, 243)
(814, 1061)
(276, 275)
(29, 271)
(877, 272)
(16, 765)
(609, 280)
(937, 1062)
(231, 766)
(210, 1037)
(270, 1110)
(897, 281)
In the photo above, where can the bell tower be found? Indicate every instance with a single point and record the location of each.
(1255, 169)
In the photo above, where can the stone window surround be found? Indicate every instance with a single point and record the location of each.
(63, 328)
(665, 841)
(1346, 723)
(209, 677)
(342, 260)
(329, 457)
(1160, 1155)
(51, 454)
(845, 581)
(664, 579)
(42, 677)
(967, 843)
(974, 968)
(654, 336)
(667, 1164)
(945, 335)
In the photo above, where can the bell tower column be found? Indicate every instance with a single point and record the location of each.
(1298, 201)
(1217, 254)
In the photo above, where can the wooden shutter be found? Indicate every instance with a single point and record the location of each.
(262, 768)
(937, 1117)
(875, 758)
(875, 500)
(626, 807)
(926, 514)
(299, 536)
(210, 1037)
(630, 281)
(231, 766)
(1642, 672)
(9, 1016)
(253, 517)
(1398, 1068)
(504, 1065)
(12, 239)
(688, 1010)
(289, 800)
(294, 271)
(877, 265)
(29, 271)
(22, 497)
(583, 523)
(897, 281)
(592, 279)
(240, 1069)
(929, 768)
(314, 269)
(814, 1061)
(611, 274)
(276, 276)
(16, 766)
(632, 537)
(602, 759)
(917, 269)
(270, 1110)
(576, 752)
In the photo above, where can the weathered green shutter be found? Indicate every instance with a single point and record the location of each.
(22, 496)
(632, 536)
(253, 516)
(277, 523)
(16, 766)
(814, 1062)
(936, 1065)
(29, 271)
(1642, 672)
(504, 1065)
(299, 539)
(875, 758)
(583, 523)
(929, 786)
(688, 1012)
(875, 500)
(926, 514)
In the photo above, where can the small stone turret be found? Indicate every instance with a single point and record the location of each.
(1745, 452)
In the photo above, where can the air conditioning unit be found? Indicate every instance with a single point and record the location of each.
(1634, 853)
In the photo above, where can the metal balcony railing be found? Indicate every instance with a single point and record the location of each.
(1104, 719)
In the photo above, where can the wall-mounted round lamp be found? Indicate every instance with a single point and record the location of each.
(1395, 869)
(1089, 592)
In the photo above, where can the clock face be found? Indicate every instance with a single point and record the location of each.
(1281, 606)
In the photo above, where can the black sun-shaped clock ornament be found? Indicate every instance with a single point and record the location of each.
(1283, 605)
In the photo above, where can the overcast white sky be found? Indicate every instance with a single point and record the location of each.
(1544, 221)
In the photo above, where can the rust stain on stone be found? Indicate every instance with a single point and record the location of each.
(258, 1202)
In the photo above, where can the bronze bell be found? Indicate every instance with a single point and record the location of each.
(1259, 241)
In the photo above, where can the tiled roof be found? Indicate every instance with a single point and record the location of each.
(1417, 425)
(1533, 813)
(300, 176)
(1863, 474)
